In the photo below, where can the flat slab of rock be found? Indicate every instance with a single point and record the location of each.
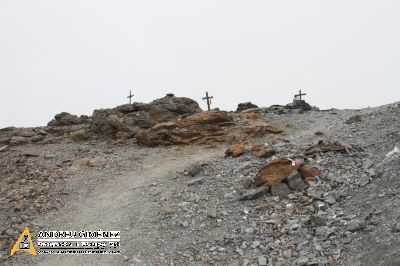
(206, 128)
(274, 172)
(280, 190)
(326, 147)
(262, 150)
(252, 194)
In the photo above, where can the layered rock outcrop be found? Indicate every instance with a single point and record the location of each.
(130, 118)
(205, 128)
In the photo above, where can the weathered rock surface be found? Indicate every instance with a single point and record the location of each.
(244, 106)
(131, 118)
(274, 172)
(205, 128)
(295, 181)
(325, 147)
(354, 119)
(67, 119)
(263, 150)
(299, 104)
(235, 150)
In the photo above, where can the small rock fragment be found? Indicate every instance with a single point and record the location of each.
(262, 261)
(356, 224)
(262, 151)
(317, 220)
(235, 150)
(212, 213)
(195, 181)
(396, 228)
(364, 180)
(280, 190)
(254, 193)
(295, 181)
(4, 148)
(249, 230)
(354, 119)
(20, 206)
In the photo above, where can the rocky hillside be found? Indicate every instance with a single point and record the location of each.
(283, 185)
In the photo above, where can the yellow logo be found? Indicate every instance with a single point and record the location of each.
(24, 243)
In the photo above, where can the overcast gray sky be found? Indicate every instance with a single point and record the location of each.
(79, 55)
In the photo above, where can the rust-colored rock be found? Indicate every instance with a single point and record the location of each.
(263, 150)
(206, 128)
(235, 150)
(274, 172)
(199, 128)
(308, 173)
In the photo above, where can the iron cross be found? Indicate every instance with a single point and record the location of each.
(299, 95)
(208, 100)
(130, 97)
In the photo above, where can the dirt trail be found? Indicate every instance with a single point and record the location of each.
(119, 204)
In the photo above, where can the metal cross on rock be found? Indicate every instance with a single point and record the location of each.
(208, 98)
(130, 97)
(298, 96)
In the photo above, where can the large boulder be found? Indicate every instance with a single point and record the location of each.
(279, 170)
(244, 106)
(65, 123)
(274, 172)
(67, 119)
(206, 128)
(130, 118)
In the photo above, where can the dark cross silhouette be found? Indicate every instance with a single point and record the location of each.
(208, 100)
(299, 95)
(130, 97)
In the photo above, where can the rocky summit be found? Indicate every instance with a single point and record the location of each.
(278, 185)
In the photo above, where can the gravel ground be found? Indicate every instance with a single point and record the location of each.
(191, 214)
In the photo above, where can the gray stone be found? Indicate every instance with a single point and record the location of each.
(302, 261)
(320, 232)
(255, 244)
(4, 148)
(280, 190)
(254, 193)
(245, 262)
(185, 224)
(239, 251)
(364, 180)
(356, 224)
(330, 200)
(295, 181)
(249, 230)
(17, 140)
(317, 220)
(195, 181)
(262, 260)
(212, 213)
(396, 228)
